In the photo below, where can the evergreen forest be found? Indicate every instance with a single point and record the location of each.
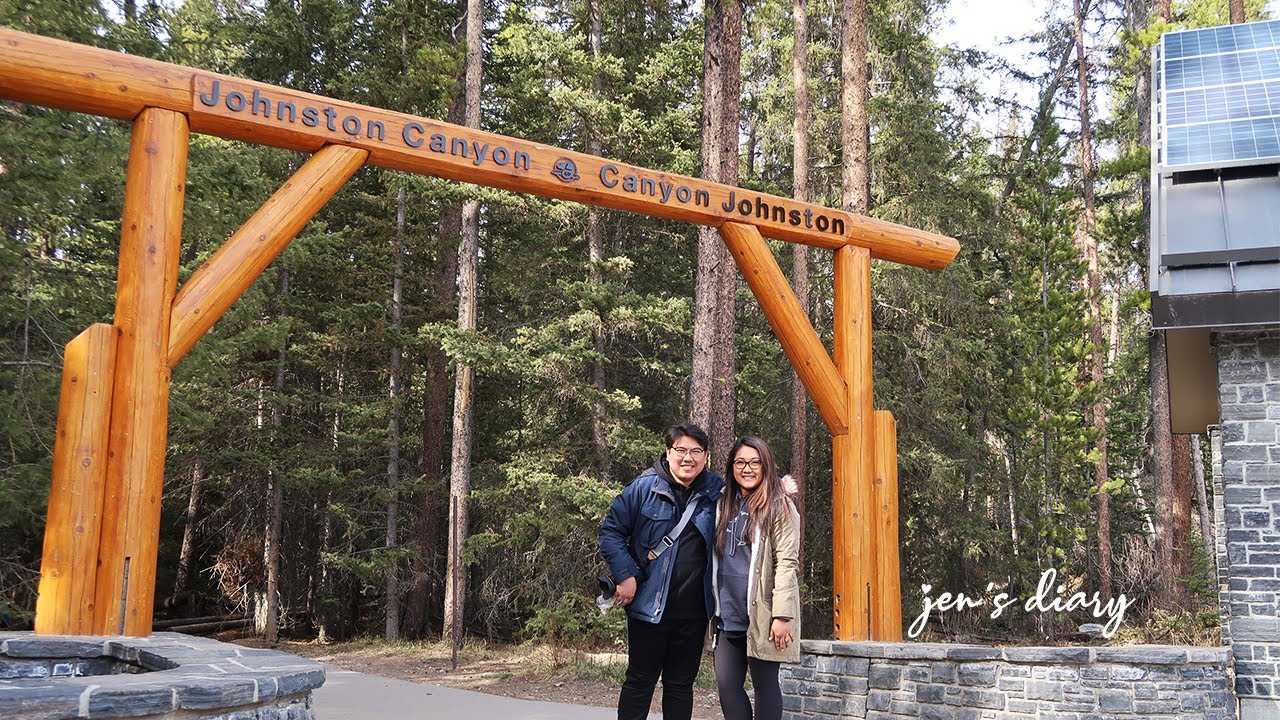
(323, 464)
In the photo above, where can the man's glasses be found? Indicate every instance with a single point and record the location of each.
(743, 464)
(694, 453)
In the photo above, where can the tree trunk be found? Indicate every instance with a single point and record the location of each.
(391, 577)
(723, 404)
(1093, 283)
(186, 556)
(1162, 471)
(321, 613)
(1158, 366)
(436, 411)
(711, 392)
(464, 390)
(1236, 8)
(1180, 535)
(595, 255)
(800, 252)
(1202, 505)
(855, 128)
(275, 491)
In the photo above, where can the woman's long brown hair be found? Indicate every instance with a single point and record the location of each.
(765, 505)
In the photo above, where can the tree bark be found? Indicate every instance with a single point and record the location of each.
(855, 127)
(1202, 504)
(186, 556)
(1162, 472)
(1181, 523)
(800, 252)
(390, 574)
(436, 414)
(1088, 244)
(464, 383)
(275, 491)
(1236, 8)
(595, 255)
(711, 391)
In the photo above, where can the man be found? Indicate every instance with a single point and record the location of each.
(661, 572)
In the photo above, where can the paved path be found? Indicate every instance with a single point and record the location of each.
(348, 695)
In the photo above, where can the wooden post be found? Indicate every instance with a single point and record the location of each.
(886, 618)
(151, 229)
(231, 270)
(853, 470)
(790, 323)
(68, 567)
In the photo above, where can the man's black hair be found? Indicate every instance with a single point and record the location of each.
(688, 429)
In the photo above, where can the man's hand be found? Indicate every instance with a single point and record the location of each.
(625, 593)
(780, 634)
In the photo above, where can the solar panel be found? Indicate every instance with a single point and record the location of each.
(1221, 95)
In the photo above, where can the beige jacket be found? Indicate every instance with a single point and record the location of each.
(773, 585)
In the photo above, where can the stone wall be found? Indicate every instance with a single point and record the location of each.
(1248, 465)
(890, 681)
(166, 675)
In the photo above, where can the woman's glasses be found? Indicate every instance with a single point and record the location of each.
(744, 464)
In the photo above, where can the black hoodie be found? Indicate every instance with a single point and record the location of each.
(687, 598)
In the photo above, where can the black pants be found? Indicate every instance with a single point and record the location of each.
(731, 676)
(671, 649)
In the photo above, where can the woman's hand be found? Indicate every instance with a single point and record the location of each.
(780, 634)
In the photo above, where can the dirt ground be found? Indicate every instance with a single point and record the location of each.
(531, 673)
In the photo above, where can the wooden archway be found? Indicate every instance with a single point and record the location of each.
(101, 540)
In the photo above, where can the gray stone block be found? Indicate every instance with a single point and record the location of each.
(204, 693)
(930, 693)
(916, 651)
(937, 712)
(1048, 654)
(825, 705)
(1265, 629)
(965, 652)
(978, 674)
(988, 699)
(1115, 701)
(50, 647)
(61, 700)
(1044, 690)
(1142, 654)
(130, 701)
(885, 676)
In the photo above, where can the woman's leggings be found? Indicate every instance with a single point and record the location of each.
(732, 664)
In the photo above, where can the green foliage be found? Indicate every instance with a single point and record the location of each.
(982, 363)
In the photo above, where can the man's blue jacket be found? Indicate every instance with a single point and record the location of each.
(645, 511)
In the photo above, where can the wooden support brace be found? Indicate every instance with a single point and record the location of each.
(155, 186)
(231, 270)
(790, 323)
(886, 616)
(852, 453)
(68, 567)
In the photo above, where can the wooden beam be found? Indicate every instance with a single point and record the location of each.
(155, 185)
(76, 77)
(233, 268)
(852, 454)
(886, 615)
(68, 568)
(790, 323)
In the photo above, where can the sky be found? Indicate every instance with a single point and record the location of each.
(989, 25)
(984, 23)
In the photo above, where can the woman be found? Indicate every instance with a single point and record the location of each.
(757, 548)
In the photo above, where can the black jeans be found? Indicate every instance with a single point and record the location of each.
(731, 675)
(671, 649)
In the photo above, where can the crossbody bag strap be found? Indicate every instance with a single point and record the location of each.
(669, 539)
